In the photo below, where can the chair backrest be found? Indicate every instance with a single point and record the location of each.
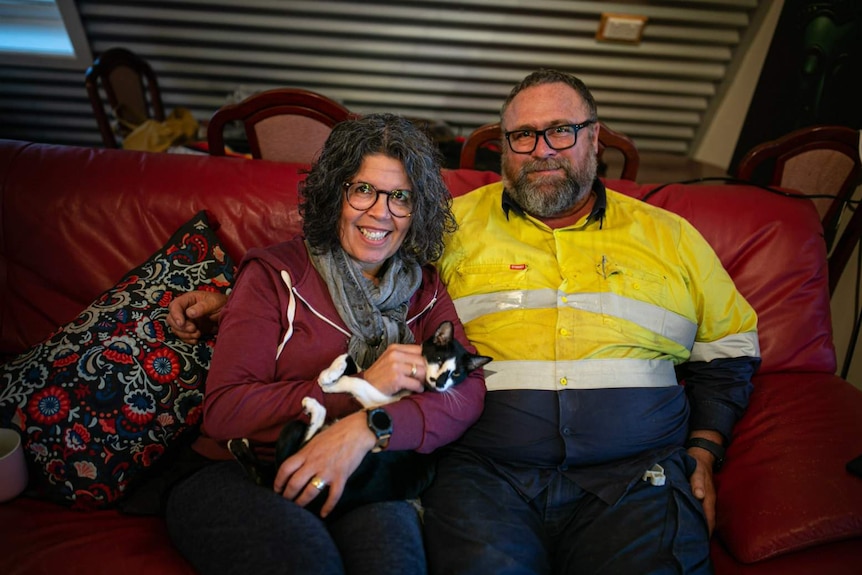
(131, 89)
(847, 242)
(489, 137)
(613, 140)
(816, 161)
(282, 124)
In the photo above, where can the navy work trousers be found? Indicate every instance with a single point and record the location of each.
(476, 522)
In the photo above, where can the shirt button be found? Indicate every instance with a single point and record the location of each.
(565, 299)
(636, 285)
(564, 381)
(564, 331)
(567, 431)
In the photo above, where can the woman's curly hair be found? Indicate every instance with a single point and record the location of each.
(322, 193)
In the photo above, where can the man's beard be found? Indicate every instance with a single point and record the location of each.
(550, 195)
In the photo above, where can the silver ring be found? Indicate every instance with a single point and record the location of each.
(413, 371)
(317, 483)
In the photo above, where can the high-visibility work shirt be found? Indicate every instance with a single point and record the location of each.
(586, 325)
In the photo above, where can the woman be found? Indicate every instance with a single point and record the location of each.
(374, 209)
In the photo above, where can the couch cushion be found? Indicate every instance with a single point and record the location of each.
(40, 537)
(785, 486)
(101, 399)
(840, 558)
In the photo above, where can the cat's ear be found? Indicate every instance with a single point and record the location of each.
(477, 361)
(443, 335)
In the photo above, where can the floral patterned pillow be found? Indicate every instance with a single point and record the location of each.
(102, 398)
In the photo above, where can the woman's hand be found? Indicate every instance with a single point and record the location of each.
(332, 456)
(400, 367)
(194, 313)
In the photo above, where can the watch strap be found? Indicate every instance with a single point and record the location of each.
(380, 424)
(716, 449)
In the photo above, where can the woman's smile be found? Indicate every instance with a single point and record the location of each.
(374, 235)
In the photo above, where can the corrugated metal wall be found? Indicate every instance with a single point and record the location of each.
(444, 60)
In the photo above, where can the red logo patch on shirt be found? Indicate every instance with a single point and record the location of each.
(517, 267)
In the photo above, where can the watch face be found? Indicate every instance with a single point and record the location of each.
(381, 420)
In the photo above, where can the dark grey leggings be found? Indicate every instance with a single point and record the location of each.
(223, 523)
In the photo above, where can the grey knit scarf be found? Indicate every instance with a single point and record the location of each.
(376, 315)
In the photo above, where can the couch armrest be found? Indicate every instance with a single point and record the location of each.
(784, 487)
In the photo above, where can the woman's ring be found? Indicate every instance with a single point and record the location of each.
(413, 371)
(318, 483)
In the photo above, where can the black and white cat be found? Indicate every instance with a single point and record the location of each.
(381, 476)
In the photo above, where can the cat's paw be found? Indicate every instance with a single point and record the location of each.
(335, 370)
(316, 416)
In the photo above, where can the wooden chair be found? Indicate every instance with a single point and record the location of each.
(489, 137)
(612, 140)
(131, 89)
(820, 161)
(847, 243)
(484, 138)
(282, 124)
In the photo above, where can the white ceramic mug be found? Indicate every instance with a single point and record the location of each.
(13, 468)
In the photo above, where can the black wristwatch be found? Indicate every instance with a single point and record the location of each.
(380, 424)
(716, 449)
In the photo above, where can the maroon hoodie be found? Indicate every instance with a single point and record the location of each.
(252, 390)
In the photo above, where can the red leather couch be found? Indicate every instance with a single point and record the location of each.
(74, 220)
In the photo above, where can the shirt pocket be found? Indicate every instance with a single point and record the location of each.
(636, 283)
(492, 277)
(634, 294)
(491, 296)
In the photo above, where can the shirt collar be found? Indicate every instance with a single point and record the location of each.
(597, 213)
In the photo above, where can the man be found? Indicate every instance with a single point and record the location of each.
(591, 304)
(587, 300)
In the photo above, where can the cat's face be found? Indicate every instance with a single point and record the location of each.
(447, 363)
(442, 374)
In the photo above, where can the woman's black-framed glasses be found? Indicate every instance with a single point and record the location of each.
(361, 196)
(557, 137)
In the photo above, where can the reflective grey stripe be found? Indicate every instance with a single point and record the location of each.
(471, 307)
(735, 345)
(579, 374)
(652, 317)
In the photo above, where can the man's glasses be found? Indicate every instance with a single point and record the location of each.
(361, 196)
(557, 137)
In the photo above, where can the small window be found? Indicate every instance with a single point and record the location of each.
(43, 33)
